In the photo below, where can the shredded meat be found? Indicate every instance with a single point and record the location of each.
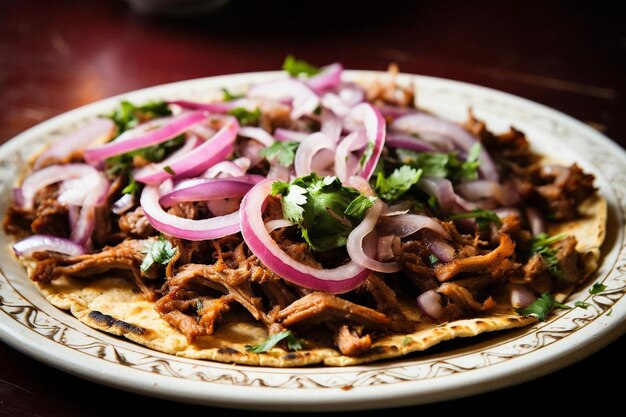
(559, 190)
(386, 302)
(486, 263)
(135, 224)
(319, 307)
(127, 256)
(570, 261)
(464, 299)
(350, 342)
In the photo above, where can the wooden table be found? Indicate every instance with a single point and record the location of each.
(57, 55)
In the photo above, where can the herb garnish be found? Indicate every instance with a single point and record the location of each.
(297, 67)
(540, 308)
(597, 288)
(540, 245)
(433, 259)
(483, 218)
(159, 251)
(293, 343)
(245, 116)
(228, 96)
(323, 208)
(282, 152)
(398, 183)
(443, 165)
(129, 115)
(582, 304)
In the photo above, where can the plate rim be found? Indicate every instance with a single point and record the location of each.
(334, 399)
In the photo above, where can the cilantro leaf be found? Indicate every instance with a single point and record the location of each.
(433, 259)
(293, 343)
(296, 67)
(118, 164)
(293, 203)
(407, 340)
(367, 154)
(159, 251)
(483, 218)
(228, 96)
(244, 116)
(540, 245)
(129, 115)
(597, 288)
(443, 165)
(359, 206)
(398, 183)
(132, 187)
(319, 206)
(582, 304)
(169, 170)
(541, 307)
(283, 152)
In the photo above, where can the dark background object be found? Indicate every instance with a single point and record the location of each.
(58, 55)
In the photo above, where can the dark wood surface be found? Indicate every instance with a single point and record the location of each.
(58, 55)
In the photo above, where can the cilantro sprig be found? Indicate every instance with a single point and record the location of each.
(541, 245)
(159, 251)
(297, 67)
(245, 116)
(282, 152)
(129, 115)
(443, 165)
(541, 307)
(399, 182)
(483, 218)
(597, 288)
(293, 343)
(323, 208)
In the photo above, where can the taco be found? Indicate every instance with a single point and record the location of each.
(308, 220)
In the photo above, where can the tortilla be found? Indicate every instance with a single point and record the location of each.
(116, 306)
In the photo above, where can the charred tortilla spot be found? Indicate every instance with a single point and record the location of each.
(290, 355)
(111, 321)
(228, 351)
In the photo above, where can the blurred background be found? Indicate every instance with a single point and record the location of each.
(56, 55)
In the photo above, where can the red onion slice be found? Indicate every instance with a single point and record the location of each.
(40, 243)
(123, 204)
(272, 225)
(334, 103)
(285, 135)
(213, 228)
(328, 78)
(129, 142)
(51, 175)
(337, 280)
(441, 188)
(304, 100)
(98, 190)
(308, 149)
(210, 107)
(520, 296)
(258, 134)
(209, 189)
(331, 125)
(370, 118)
(195, 161)
(441, 249)
(429, 303)
(536, 221)
(406, 224)
(505, 194)
(425, 124)
(224, 169)
(347, 164)
(355, 245)
(99, 129)
(403, 141)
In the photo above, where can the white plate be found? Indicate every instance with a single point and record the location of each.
(31, 325)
